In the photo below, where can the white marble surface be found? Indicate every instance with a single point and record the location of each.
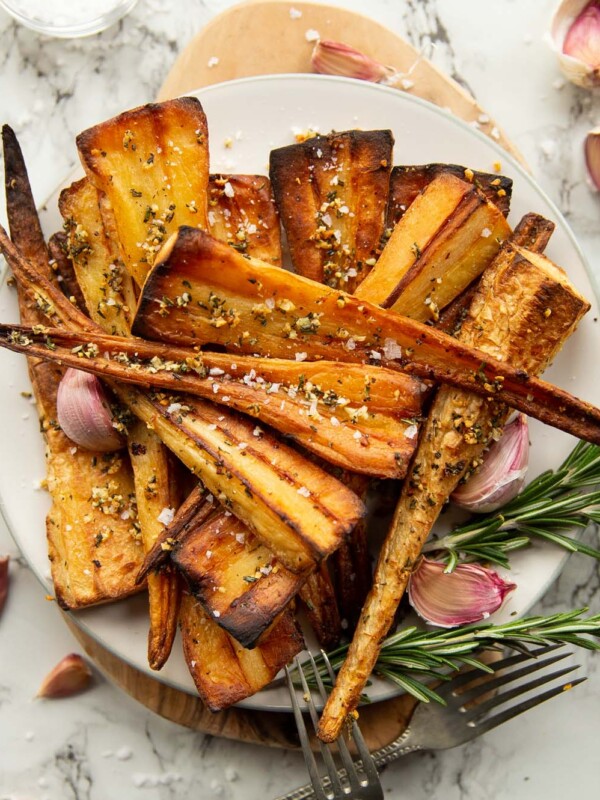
(102, 744)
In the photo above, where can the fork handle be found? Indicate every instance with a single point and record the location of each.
(399, 747)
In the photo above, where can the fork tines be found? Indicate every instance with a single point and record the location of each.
(356, 779)
(475, 703)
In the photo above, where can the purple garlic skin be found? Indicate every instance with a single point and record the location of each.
(70, 676)
(469, 594)
(501, 476)
(337, 58)
(84, 413)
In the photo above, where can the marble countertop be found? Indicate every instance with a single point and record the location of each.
(102, 744)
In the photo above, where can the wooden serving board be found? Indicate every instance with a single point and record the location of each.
(260, 37)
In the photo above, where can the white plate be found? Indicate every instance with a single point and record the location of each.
(260, 114)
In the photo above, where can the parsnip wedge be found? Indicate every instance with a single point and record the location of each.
(532, 232)
(523, 312)
(318, 599)
(155, 494)
(332, 194)
(223, 671)
(242, 212)
(268, 485)
(62, 266)
(104, 281)
(94, 553)
(315, 321)
(328, 407)
(407, 182)
(235, 577)
(445, 240)
(151, 163)
(291, 505)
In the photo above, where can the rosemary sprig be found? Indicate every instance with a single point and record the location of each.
(412, 657)
(552, 502)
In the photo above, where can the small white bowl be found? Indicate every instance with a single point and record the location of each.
(67, 19)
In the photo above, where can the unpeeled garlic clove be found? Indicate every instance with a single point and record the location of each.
(4, 561)
(84, 413)
(501, 476)
(575, 37)
(592, 157)
(469, 594)
(70, 676)
(337, 58)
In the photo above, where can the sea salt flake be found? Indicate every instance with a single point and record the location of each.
(228, 190)
(391, 349)
(166, 516)
(212, 62)
(411, 431)
(312, 35)
(173, 408)
(304, 491)
(486, 233)
(295, 13)
(301, 356)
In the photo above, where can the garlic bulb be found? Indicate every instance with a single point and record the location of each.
(592, 157)
(502, 474)
(575, 37)
(337, 58)
(469, 594)
(70, 676)
(84, 413)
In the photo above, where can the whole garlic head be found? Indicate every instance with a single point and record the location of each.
(575, 37)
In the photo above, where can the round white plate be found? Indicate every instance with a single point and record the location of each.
(260, 114)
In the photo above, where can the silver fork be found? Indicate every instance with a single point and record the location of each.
(358, 779)
(468, 710)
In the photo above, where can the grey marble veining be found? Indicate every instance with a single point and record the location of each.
(102, 744)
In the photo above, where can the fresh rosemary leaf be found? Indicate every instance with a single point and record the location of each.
(552, 503)
(412, 658)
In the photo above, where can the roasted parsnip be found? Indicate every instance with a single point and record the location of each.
(236, 578)
(151, 164)
(156, 495)
(94, 552)
(312, 319)
(332, 194)
(224, 672)
(445, 240)
(407, 182)
(522, 313)
(242, 212)
(268, 485)
(318, 599)
(325, 406)
(105, 283)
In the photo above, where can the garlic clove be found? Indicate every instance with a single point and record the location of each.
(469, 594)
(575, 37)
(337, 58)
(501, 476)
(4, 560)
(84, 412)
(592, 157)
(70, 676)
